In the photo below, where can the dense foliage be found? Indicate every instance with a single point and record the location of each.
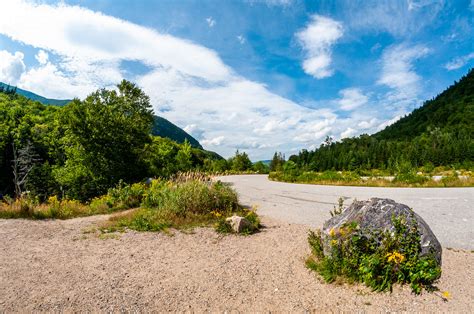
(81, 150)
(440, 133)
(378, 261)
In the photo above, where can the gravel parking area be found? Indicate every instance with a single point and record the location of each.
(67, 266)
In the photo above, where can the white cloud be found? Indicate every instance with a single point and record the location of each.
(11, 66)
(398, 72)
(399, 18)
(210, 21)
(216, 141)
(317, 40)
(364, 125)
(194, 130)
(187, 83)
(388, 122)
(459, 62)
(348, 133)
(42, 57)
(93, 37)
(241, 39)
(352, 98)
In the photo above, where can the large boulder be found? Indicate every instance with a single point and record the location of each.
(376, 215)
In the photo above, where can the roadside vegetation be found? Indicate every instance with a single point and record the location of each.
(435, 139)
(98, 155)
(186, 200)
(80, 151)
(374, 178)
(378, 261)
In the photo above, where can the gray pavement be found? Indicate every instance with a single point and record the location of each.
(448, 211)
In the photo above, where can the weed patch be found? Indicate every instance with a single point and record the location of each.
(378, 261)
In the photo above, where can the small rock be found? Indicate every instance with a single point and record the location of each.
(238, 223)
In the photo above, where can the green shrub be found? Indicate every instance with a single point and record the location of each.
(127, 196)
(183, 204)
(378, 261)
(410, 178)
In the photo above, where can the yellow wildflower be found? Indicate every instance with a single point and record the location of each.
(332, 232)
(333, 242)
(446, 295)
(216, 213)
(395, 257)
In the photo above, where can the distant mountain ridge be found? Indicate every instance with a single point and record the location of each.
(161, 126)
(165, 128)
(36, 97)
(439, 133)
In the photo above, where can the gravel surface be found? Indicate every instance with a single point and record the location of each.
(64, 266)
(448, 211)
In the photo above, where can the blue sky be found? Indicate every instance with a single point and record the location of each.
(259, 76)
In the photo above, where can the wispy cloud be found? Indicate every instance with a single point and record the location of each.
(398, 72)
(241, 39)
(317, 40)
(399, 18)
(210, 21)
(459, 62)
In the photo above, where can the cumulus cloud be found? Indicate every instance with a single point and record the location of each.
(459, 62)
(398, 72)
(367, 124)
(317, 40)
(188, 84)
(216, 141)
(11, 67)
(351, 98)
(348, 133)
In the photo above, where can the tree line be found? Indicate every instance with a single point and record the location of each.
(81, 150)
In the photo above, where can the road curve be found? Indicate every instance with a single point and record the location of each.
(448, 211)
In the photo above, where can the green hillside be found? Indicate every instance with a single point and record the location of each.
(450, 111)
(164, 128)
(35, 97)
(161, 126)
(439, 133)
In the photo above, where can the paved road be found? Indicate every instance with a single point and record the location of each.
(448, 211)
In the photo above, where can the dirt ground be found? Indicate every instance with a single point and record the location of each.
(66, 266)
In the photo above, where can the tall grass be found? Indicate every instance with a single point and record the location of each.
(182, 204)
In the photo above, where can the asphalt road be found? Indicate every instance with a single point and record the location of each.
(448, 211)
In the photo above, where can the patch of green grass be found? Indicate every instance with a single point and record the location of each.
(185, 204)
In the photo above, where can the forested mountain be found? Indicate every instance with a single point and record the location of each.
(439, 133)
(35, 97)
(164, 128)
(451, 111)
(161, 126)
